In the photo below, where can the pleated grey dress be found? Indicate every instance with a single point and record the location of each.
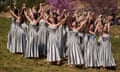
(67, 39)
(91, 54)
(20, 38)
(25, 29)
(32, 50)
(53, 53)
(75, 55)
(11, 37)
(42, 38)
(80, 34)
(85, 43)
(61, 40)
(105, 53)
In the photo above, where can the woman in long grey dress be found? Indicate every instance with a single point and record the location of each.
(61, 37)
(85, 34)
(105, 52)
(75, 56)
(53, 52)
(11, 37)
(91, 54)
(98, 31)
(24, 25)
(42, 35)
(32, 50)
(19, 35)
(20, 38)
(11, 34)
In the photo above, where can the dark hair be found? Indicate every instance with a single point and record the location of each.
(35, 15)
(55, 19)
(16, 11)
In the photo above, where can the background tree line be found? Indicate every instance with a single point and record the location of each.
(29, 3)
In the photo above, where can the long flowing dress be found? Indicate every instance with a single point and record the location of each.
(11, 37)
(105, 53)
(61, 40)
(75, 55)
(20, 38)
(91, 55)
(53, 53)
(67, 39)
(85, 43)
(80, 34)
(32, 50)
(42, 38)
(25, 29)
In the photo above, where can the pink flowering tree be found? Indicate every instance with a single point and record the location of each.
(62, 4)
(101, 6)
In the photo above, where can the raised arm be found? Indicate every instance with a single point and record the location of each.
(11, 12)
(81, 25)
(84, 22)
(108, 25)
(46, 19)
(62, 21)
(48, 22)
(90, 30)
(40, 8)
(96, 28)
(28, 18)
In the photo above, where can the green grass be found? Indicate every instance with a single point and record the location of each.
(17, 63)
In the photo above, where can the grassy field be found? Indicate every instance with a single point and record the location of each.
(17, 63)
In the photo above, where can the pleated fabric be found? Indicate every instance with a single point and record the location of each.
(25, 29)
(11, 37)
(80, 34)
(105, 53)
(53, 53)
(42, 38)
(32, 50)
(20, 38)
(91, 54)
(67, 39)
(85, 43)
(75, 55)
(61, 40)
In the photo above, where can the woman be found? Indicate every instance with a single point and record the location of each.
(61, 34)
(11, 34)
(42, 35)
(32, 50)
(24, 24)
(24, 20)
(105, 52)
(53, 53)
(91, 55)
(75, 56)
(19, 37)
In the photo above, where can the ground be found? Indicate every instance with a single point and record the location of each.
(17, 63)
